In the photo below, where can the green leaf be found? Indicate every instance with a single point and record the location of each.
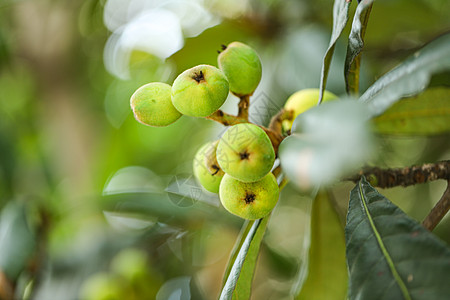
(425, 114)
(390, 255)
(327, 267)
(239, 281)
(410, 77)
(355, 45)
(17, 241)
(340, 18)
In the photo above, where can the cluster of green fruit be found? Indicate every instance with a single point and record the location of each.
(242, 170)
(238, 166)
(201, 90)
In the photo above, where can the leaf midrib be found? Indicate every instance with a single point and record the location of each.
(388, 258)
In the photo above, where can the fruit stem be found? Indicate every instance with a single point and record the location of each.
(275, 137)
(277, 120)
(243, 107)
(439, 210)
(226, 119)
(277, 171)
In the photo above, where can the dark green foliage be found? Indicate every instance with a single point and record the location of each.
(390, 255)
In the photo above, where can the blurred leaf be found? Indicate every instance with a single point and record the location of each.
(425, 114)
(340, 18)
(410, 77)
(168, 208)
(239, 281)
(17, 241)
(284, 265)
(186, 189)
(300, 60)
(390, 255)
(176, 288)
(327, 141)
(305, 201)
(4, 50)
(133, 179)
(90, 19)
(355, 45)
(327, 265)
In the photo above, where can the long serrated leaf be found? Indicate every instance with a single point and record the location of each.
(327, 265)
(239, 281)
(355, 45)
(340, 18)
(17, 240)
(410, 77)
(390, 255)
(425, 114)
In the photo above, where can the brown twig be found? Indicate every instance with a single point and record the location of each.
(277, 171)
(6, 288)
(438, 211)
(243, 106)
(387, 178)
(226, 119)
(277, 121)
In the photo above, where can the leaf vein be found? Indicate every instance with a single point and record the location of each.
(383, 248)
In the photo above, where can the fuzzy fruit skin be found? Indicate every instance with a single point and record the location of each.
(152, 105)
(206, 168)
(301, 101)
(242, 66)
(249, 200)
(200, 91)
(245, 152)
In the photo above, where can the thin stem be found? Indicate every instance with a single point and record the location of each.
(439, 210)
(283, 183)
(226, 119)
(243, 106)
(277, 171)
(6, 288)
(387, 178)
(275, 137)
(277, 121)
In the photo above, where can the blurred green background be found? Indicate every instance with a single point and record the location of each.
(86, 185)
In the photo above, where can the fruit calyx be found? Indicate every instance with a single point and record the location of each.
(223, 48)
(216, 169)
(244, 155)
(199, 77)
(249, 198)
